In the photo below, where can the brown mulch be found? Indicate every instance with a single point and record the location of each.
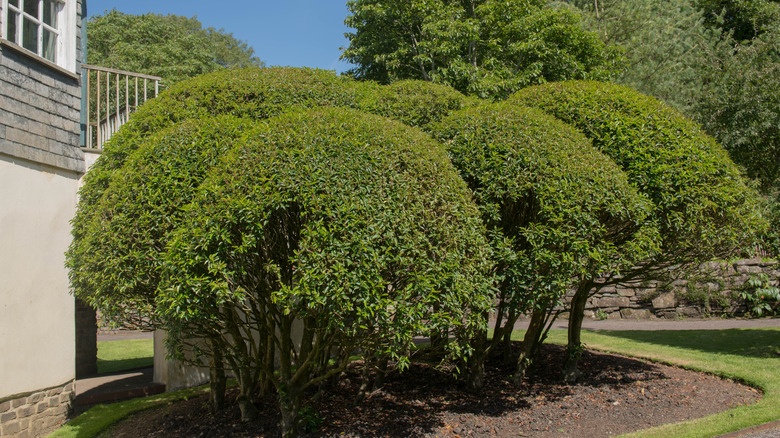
(616, 395)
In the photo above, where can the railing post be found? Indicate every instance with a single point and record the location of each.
(97, 113)
(106, 126)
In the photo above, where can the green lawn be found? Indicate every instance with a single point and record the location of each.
(129, 354)
(748, 355)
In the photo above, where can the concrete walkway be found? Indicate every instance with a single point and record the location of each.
(107, 388)
(663, 324)
(768, 430)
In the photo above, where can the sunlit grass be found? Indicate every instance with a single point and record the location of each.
(129, 354)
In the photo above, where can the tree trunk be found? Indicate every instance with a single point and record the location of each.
(290, 404)
(530, 344)
(475, 364)
(574, 349)
(365, 380)
(381, 372)
(246, 388)
(217, 382)
(507, 340)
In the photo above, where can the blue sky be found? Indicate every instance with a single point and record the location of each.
(300, 33)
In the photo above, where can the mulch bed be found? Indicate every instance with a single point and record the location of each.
(616, 395)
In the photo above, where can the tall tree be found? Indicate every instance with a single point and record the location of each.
(666, 44)
(170, 46)
(487, 48)
(717, 61)
(741, 104)
(743, 19)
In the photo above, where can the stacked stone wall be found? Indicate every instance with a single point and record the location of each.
(710, 290)
(36, 414)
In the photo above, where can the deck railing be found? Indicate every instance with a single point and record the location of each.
(111, 96)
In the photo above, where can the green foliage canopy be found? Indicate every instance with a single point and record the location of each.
(115, 260)
(169, 46)
(347, 221)
(703, 206)
(741, 106)
(486, 48)
(743, 19)
(556, 210)
(556, 207)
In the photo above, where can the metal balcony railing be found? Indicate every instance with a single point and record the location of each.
(111, 96)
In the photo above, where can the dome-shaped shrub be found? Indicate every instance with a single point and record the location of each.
(354, 225)
(114, 259)
(415, 103)
(555, 207)
(702, 204)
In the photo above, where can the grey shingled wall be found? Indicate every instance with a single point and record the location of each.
(39, 109)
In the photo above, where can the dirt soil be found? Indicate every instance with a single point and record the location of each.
(616, 395)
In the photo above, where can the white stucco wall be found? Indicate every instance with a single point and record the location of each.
(90, 156)
(37, 333)
(172, 373)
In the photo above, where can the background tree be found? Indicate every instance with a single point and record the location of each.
(666, 45)
(169, 46)
(487, 48)
(744, 20)
(714, 60)
(741, 105)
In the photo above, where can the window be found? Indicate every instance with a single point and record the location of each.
(44, 27)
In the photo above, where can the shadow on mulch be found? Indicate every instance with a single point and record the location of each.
(617, 395)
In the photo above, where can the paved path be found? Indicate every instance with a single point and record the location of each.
(664, 324)
(768, 430)
(106, 388)
(121, 335)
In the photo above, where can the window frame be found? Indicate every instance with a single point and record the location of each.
(64, 52)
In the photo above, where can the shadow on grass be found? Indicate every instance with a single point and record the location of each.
(113, 366)
(757, 343)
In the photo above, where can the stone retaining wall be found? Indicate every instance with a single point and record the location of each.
(710, 291)
(36, 414)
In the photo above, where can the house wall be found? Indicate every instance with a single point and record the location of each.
(40, 166)
(40, 109)
(37, 312)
